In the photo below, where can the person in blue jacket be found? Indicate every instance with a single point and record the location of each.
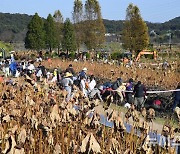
(13, 68)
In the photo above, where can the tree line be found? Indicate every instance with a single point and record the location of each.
(13, 28)
(86, 28)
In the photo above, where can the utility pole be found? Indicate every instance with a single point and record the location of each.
(170, 39)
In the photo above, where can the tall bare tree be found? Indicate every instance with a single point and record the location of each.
(78, 22)
(135, 32)
(58, 18)
(94, 30)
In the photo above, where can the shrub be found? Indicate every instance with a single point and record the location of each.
(116, 55)
(47, 54)
(6, 46)
(88, 55)
(72, 55)
(55, 55)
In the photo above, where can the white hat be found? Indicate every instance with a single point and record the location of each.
(84, 69)
(127, 105)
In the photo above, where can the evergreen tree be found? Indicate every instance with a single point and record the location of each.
(58, 18)
(94, 27)
(69, 42)
(135, 32)
(78, 22)
(51, 39)
(35, 36)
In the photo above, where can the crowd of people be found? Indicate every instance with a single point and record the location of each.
(69, 80)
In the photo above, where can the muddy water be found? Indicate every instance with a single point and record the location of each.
(154, 137)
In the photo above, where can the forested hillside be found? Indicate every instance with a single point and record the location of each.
(13, 28)
(113, 26)
(159, 32)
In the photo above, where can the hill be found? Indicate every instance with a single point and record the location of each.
(13, 28)
(115, 26)
(159, 32)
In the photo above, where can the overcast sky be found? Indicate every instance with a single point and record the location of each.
(151, 10)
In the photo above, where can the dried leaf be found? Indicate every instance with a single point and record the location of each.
(57, 149)
(94, 145)
(85, 141)
(22, 135)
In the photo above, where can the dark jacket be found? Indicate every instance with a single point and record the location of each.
(107, 85)
(177, 94)
(70, 70)
(116, 85)
(82, 74)
(139, 90)
(43, 69)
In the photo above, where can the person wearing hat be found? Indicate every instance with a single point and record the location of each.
(70, 69)
(84, 69)
(83, 73)
(13, 68)
(129, 87)
(67, 83)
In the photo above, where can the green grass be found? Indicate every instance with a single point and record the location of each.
(6, 46)
(162, 121)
